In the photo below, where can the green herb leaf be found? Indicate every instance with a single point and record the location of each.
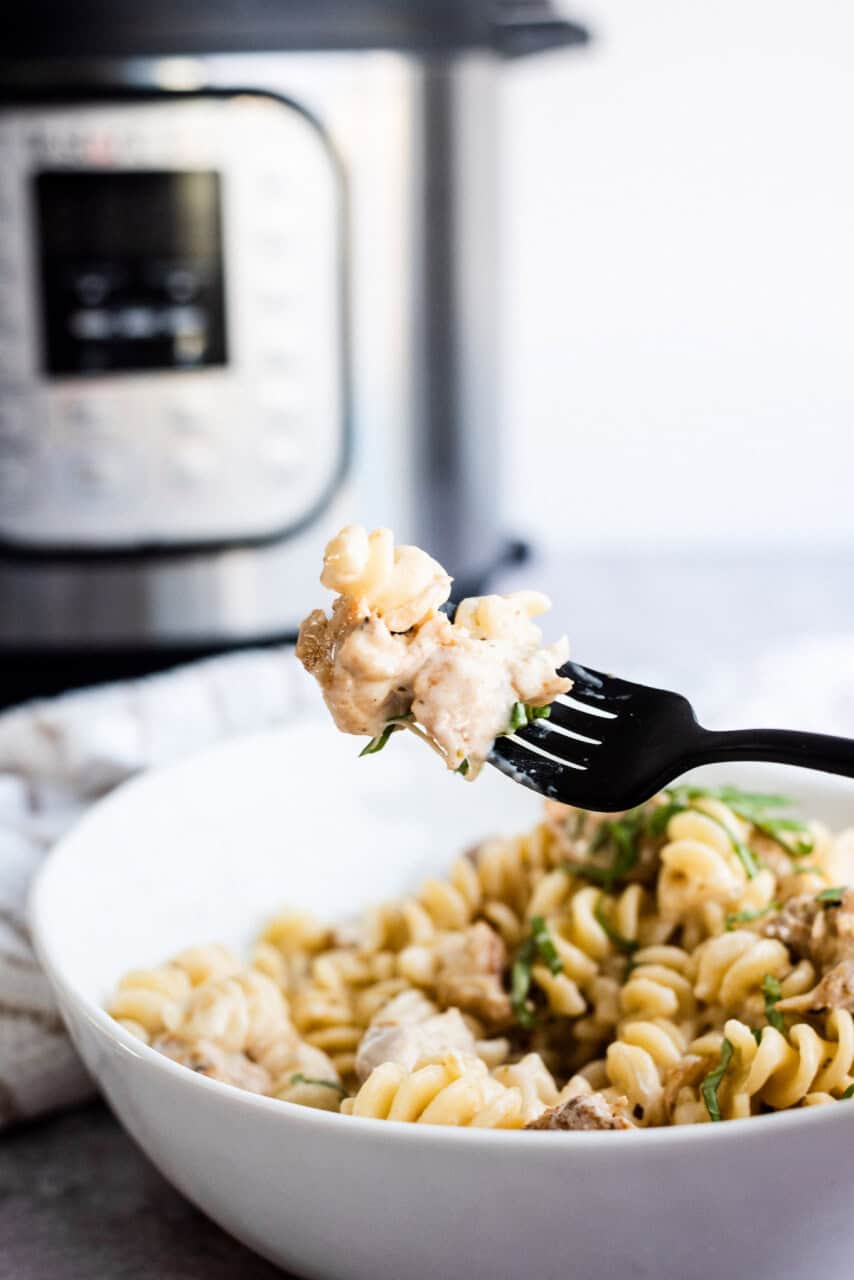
(545, 946)
(523, 714)
(538, 943)
(518, 717)
(376, 744)
(520, 984)
(682, 798)
(772, 992)
(712, 1082)
(849, 1093)
(754, 807)
(299, 1078)
(624, 836)
(745, 857)
(832, 897)
(462, 768)
(745, 917)
(660, 817)
(752, 799)
(757, 1034)
(628, 946)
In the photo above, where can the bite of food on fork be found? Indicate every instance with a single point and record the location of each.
(390, 658)
(476, 683)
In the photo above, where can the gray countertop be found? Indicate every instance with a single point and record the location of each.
(77, 1199)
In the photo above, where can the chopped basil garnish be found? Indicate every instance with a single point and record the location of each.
(543, 940)
(832, 897)
(682, 798)
(754, 807)
(299, 1078)
(624, 836)
(538, 944)
(462, 768)
(772, 992)
(376, 744)
(712, 1082)
(849, 1093)
(745, 917)
(628, 946)
(523, 714)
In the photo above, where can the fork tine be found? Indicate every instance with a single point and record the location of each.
(596, 686)
(587, 728)
(520, 762)
(586, 709)
(574, 752)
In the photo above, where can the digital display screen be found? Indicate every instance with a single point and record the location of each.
(131, 270)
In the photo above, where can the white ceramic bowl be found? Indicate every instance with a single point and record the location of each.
(207, 850)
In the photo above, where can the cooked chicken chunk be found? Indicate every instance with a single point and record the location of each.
(821, 933)
(409, 1028)
(468, 974)
(207, 1058)
(586, 1111)
(834, 991)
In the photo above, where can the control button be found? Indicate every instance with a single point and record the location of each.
(182, 284)
(92, 287)
(90, 326)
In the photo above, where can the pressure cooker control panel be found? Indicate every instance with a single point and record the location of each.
(171, 334)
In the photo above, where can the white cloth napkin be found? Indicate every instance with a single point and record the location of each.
(56, 758)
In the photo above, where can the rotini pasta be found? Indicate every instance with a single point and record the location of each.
(679, 964)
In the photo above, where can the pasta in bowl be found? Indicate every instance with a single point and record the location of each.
(445, 1164)
(689, 961)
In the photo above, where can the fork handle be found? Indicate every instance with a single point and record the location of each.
(819, 751)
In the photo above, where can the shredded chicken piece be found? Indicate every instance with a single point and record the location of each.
(468, 974)
(585, 1111)
(388, 653)
(813, 930)
(834, 991)
(408, 1029)
(208, 1059)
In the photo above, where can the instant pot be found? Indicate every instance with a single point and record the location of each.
(248, 264)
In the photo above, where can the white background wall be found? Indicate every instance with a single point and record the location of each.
(679, 227)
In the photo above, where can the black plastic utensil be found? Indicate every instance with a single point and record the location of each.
(610, 744)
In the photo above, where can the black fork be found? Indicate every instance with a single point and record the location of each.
(610, 744)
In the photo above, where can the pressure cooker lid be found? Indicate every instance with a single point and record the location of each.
(131, 28)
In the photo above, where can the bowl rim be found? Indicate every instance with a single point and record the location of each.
(396, 1131)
